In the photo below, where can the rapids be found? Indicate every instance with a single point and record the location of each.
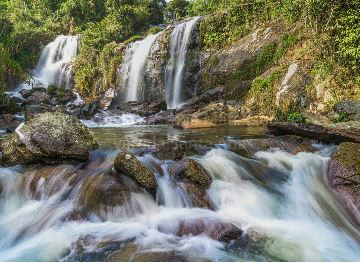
(86, 212)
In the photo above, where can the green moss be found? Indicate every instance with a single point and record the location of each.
(133, 39)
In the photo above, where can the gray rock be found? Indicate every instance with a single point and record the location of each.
(48, 138)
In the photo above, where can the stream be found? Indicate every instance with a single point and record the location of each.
(280, 201)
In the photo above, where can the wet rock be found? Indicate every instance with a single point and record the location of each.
(315, 132)
(101, 194)
(132, 253)
(292, 144)
(8, 122)
(173, 151)
(197, 194)
(128, 164)
(214, 229)
(90, 109)
(38, 97)
(26, 93)
(161, 118)
(48, 138)
(344, 173)
(191, 170)
(144, 109)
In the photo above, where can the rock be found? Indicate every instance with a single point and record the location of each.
(203, 99)
(131, 253)
(90, 109)
(128, 164)
(344, 173)
(48, 138)
(210, 116)
(191, 170)
(144, 109)
(39, 89)
(315, 132)
(8, 122)
(214, 229)
(38, 97)
(259, 120)
(198, 194)
(351, 108)
(100, 194)
(292, 144)
(64, 96)
(161, 118)
(26, 93)
(107, 99)
(172, 151)
(32, 110)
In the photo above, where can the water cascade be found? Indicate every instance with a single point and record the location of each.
(174, 76)
(54, 63)
(83, 214)
(132, 69)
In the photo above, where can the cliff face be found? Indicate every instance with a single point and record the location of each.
(270, 72)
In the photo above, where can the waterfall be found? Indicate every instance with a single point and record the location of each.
(132, 69)
(54, 65)
(174, 77)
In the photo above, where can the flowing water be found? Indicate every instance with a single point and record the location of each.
(132, 69)
(54, 65)
(174, 78)
(88, 213)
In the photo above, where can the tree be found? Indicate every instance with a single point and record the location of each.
(177, 9)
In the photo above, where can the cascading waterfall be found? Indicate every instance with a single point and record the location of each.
(281, 196)
(174, 77)
(133, 66)
(54, 64)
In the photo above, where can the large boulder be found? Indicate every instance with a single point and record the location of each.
(315, 132)
(48, 138)
(128, 164)
(344, 173)
(191, 170)
(209, 116)
(350, 109)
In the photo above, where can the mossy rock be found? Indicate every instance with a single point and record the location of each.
(128, 164)
(191, 170)
(48, 138)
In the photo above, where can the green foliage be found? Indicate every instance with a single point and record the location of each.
(342, 116)
(295, 117)
(263, 84)
(52, 89)
(177, 9)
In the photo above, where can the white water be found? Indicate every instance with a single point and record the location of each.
(133, 66)
(291, 207)
(54, 65)
(174, 77)
(107, 119)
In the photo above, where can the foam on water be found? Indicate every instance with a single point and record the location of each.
(107, 119)
(282, 197)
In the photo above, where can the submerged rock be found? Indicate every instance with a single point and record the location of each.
(191, 170)
(315, 132)
(48, 138)
(173, 150)
(197, 194)
(128, 164)
(132, 253)
(344, 173)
